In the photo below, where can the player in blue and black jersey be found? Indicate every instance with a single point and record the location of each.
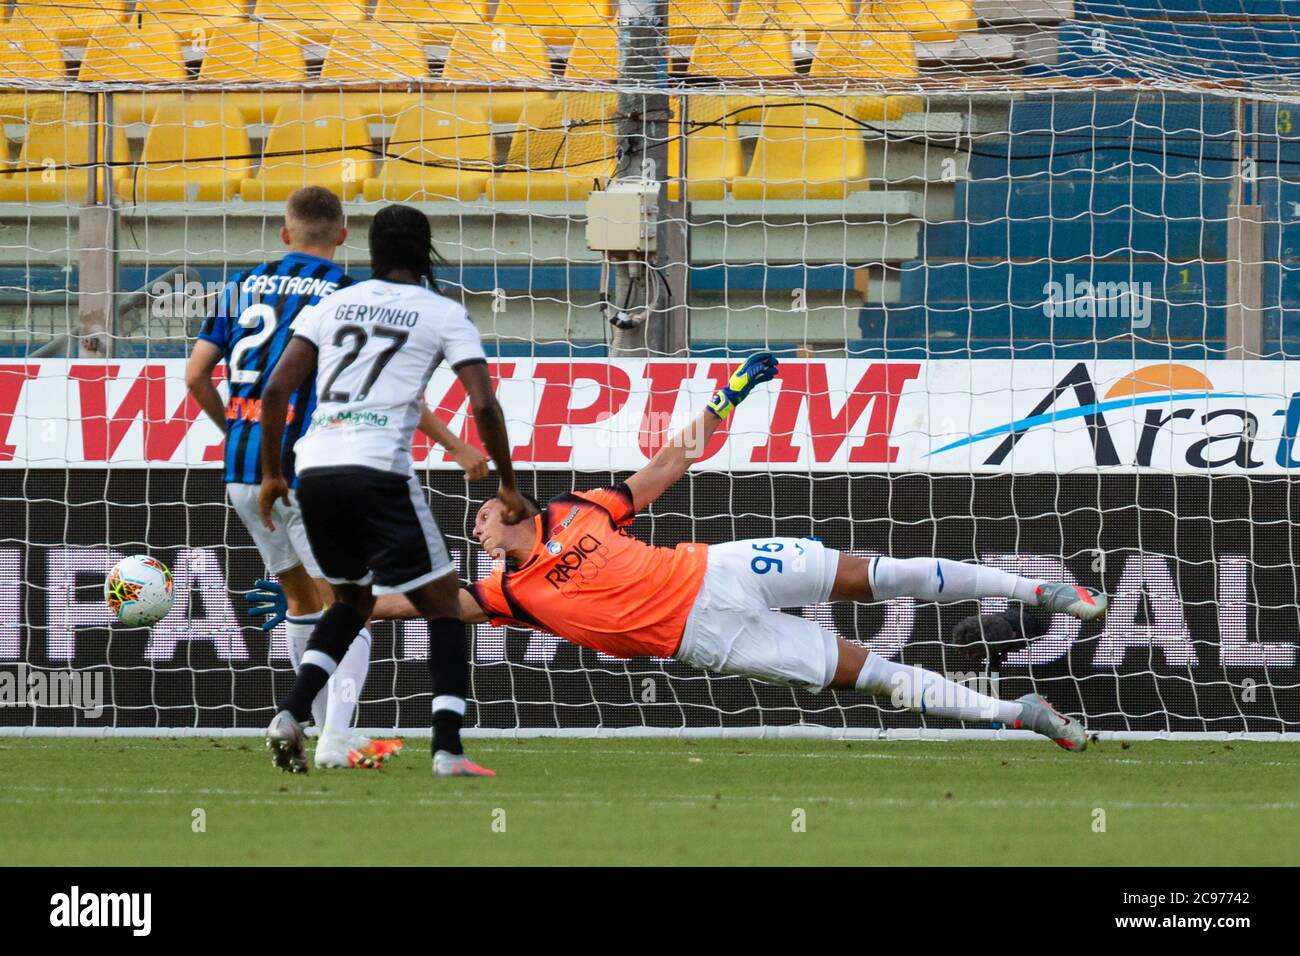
(248, 328)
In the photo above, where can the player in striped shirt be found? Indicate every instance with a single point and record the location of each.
(576, 572)
(249, 328)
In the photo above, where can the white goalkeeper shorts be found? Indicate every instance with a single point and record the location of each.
(287, 546)
(733, 629)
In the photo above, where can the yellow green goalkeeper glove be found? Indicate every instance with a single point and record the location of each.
(758, 368)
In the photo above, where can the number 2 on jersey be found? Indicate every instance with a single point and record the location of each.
(248, 319)
(357, 337)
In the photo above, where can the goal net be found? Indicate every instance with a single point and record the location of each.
(1031, 266)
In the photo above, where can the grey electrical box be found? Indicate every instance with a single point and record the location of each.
(623, 217)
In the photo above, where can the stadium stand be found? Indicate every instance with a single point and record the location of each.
(441, 149)
(254, 49)
(556, 20)
(316, 142)
(714, 156)
(805, 153)
(314, 20)
(27, 54)
(438, 20)
(805, 17)
(499, 53)
(594, 55)
(562, 150)
(690, 19)
(743, 51)
(71, 22)
(127, 53)
(51, 166)
(194, 20)
(195, 151)
(376, 53)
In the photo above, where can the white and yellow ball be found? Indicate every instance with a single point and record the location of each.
(140, 591)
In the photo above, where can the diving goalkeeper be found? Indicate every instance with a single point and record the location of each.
(574, 572)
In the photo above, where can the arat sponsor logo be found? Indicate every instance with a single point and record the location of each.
(1164, 416)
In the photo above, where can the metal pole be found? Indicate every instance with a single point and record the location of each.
(97, 233)
(643, 106)
(1244, 332)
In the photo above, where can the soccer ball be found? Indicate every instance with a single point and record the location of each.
(139, 591)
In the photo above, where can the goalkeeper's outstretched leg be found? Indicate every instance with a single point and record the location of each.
(732, 629)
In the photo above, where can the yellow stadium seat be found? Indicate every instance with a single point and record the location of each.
(866, 53)
(554, 19)
(56, 144)
(314, 20)
(594, 55)
(805, 19)
(71, 22)
(931, 21)
(377, 52)
(129, 54)
(311, 144)
(196, 21)
(714, 156)
(499, 53)
(194, 151)
(742, 52)
(437, 20)
(563, 149)
(125, 53)
(688, 19)
(28, 55)
(440, 150)
(804, 152)
(869, 52)
(250, 49)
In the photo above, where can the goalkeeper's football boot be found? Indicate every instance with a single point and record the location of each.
(1087, 604)
(457, 765)
(1042, 718)
(285, 740)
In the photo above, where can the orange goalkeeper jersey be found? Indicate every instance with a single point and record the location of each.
(591, 582)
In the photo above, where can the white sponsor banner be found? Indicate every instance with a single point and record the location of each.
(818, 416)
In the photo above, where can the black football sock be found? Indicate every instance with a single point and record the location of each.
(330, 640)
(449, 668)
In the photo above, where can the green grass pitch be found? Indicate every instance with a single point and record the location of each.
(675, 802)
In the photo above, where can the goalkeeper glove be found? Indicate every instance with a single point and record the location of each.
(758, 368)
(269, 602)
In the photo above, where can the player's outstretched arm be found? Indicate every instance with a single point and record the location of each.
(472, 461)
(198, 378)
(491, 423)
(291, 371)
(684, 448)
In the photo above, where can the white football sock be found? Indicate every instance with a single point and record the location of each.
(298, 628)
(345, 686)
(930, 693)
(944, 581)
